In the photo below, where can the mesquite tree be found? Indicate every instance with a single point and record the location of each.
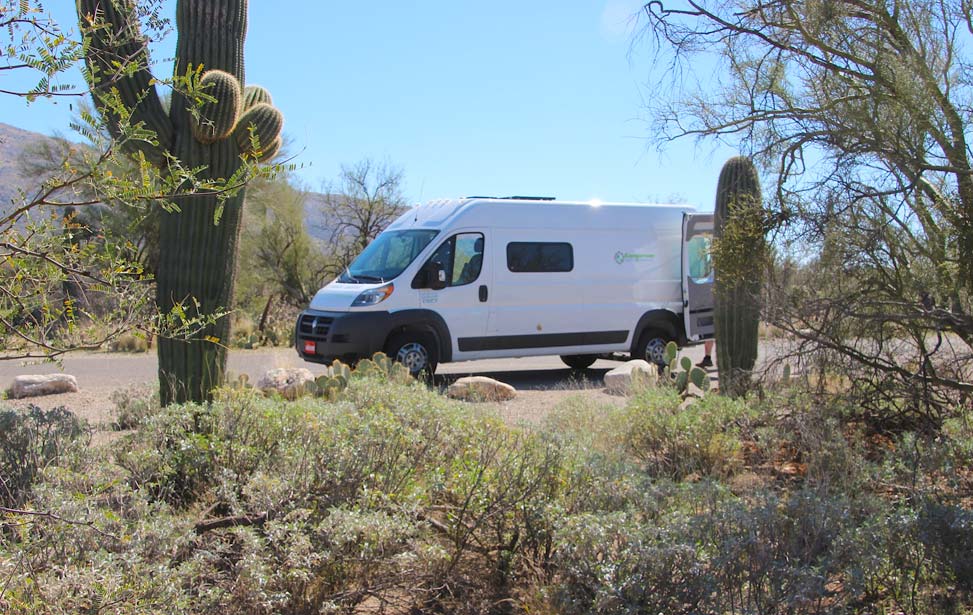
(860, 113)
(739, 256)
(214, 125)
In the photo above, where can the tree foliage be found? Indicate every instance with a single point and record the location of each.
(280, 263)
(366, 198)
(57, 273)
(860, 111)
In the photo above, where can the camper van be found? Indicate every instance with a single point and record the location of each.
(478, 278)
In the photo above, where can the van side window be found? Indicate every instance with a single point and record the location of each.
(461, 257)
(536, 257)
(700, 259)
(469, 259)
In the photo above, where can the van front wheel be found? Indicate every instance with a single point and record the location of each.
(579, 361)
(652, 347)
(415, 350)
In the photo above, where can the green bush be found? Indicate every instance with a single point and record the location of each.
(797, 554)
(701, 439)
(129, 342)
(30, 441)
(133, 407)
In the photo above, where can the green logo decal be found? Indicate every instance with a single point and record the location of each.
(621, 257)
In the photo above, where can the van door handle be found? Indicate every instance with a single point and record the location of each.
(483, 293)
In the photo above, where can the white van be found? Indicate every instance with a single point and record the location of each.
(479, 278)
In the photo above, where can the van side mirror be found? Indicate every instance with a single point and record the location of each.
(437, 276)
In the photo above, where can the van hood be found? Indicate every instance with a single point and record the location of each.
(339, 297)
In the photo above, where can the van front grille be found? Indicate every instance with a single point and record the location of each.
(314, 327)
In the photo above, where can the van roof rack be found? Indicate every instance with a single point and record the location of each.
(514, 198)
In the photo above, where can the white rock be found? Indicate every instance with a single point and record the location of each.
(631, 376)
(51, 384)
(286, 381)
(480, 388)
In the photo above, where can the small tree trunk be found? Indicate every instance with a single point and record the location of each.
(266, 313)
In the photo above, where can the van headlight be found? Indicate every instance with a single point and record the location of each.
(374, 296)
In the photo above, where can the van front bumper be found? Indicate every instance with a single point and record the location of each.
(322, 337)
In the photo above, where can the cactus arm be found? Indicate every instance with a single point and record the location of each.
(114, 37)
(217, 118)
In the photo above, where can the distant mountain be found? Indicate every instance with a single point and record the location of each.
(16, 144)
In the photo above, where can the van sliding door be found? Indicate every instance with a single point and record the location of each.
(697, 275)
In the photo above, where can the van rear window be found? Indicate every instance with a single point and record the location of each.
(536, 257)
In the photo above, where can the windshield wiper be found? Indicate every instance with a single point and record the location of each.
(368, 278)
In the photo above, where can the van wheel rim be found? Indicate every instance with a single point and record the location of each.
(414, 356)
(655, 351)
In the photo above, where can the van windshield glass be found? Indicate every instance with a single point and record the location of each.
(387, 256)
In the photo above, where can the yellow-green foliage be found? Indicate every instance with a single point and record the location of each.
(129, 342)
(677, 441)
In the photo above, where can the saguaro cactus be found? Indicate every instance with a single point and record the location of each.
(739, 255)
(199, 242)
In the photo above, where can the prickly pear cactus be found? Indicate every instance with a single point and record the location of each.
(739, 254)
(383, 367)
(681, 372)
(214, 129)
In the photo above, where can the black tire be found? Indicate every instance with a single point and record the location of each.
(579, 361)
(416, 350)
(652, 347)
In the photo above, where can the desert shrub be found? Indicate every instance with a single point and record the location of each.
(795, 554)
(946, 531)
(129, 342)
(243, 331)
(390, 494)
(96, 546)
(616, 563)
(30, 441)
(701, 439)
(798, 439)
(172, 456)
(133, 407)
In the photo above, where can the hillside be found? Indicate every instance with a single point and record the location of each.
(16, 144)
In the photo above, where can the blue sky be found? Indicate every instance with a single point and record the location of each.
(509, 97)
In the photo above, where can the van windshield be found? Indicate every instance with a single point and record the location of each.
(387, 256)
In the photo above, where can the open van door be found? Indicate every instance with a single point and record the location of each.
(697, 275)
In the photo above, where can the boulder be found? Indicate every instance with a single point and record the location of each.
(631, 376)
(480, 388)
(50, 384)
(288, 382)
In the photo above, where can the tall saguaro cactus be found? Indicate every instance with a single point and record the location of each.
(739, 256)
(198, 243)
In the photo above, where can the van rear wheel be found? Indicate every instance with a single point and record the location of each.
(579, 361)
(416, 350)
(652, 347)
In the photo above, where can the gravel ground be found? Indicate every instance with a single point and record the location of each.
(541, 382)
